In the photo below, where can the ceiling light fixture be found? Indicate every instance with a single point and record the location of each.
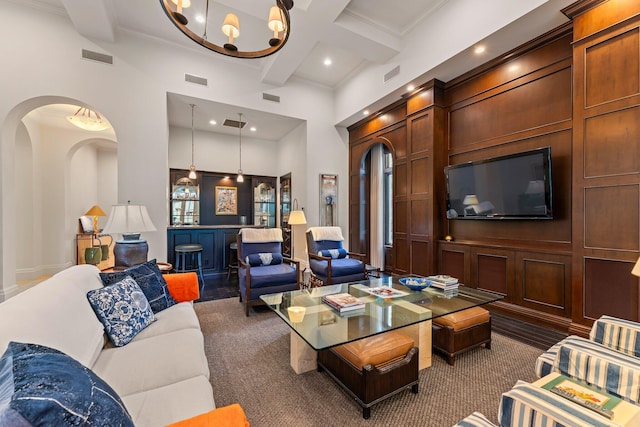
(278, 22)
(478, 50)
(328, 62)
(87, 119)
(240, 178)
(192, 168)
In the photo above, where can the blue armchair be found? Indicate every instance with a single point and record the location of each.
(262, 268)
(329, 261)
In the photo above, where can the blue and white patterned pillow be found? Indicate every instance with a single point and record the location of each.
(41, 386)
(334, 253)
(148, 276)
(264, 258)
(123, 310)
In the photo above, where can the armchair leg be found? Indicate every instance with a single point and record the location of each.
(246, 309)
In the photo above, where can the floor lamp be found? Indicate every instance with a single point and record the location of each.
(296, 217)
(129, 220)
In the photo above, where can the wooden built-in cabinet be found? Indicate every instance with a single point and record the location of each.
(575, 89)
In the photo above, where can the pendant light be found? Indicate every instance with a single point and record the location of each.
(192, 168)
(240, 178)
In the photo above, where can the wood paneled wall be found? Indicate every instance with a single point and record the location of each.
(606, 167)
(575, 89)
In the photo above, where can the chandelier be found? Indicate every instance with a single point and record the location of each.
(194, 23)
(87, 119)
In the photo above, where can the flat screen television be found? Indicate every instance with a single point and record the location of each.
(516, 186)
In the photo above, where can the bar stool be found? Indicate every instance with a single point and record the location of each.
(189, 258)
(233, 258)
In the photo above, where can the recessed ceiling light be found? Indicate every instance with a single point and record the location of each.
(213, 122)
(327, 61)
(252, 129)
(410, 88)
(200, 18)
(479, 49)
(365, 113)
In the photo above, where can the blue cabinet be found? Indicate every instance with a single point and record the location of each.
(215, 242)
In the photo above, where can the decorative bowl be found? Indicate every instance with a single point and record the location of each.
(415, 283)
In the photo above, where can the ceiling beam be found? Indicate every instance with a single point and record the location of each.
(93, 19)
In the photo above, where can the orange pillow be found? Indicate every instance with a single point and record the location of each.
(227, 416)
(183, 286)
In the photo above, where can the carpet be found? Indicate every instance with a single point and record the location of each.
(249, 362)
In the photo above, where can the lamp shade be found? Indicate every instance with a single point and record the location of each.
(297, 218)
(470, 199)
(231, 26)
(636, 268)
(128, 218)
(95, 211)
(275, 19)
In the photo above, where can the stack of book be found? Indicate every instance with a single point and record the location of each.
(343, 302)
(444, 282)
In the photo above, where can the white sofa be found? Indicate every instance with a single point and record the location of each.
(162, 375)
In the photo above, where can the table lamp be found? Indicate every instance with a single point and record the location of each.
(95, 212)
(129, 220)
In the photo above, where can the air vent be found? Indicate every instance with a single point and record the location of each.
(195, 79)
(95, 56)
(391, 74)
(270, 97)
(233, 123)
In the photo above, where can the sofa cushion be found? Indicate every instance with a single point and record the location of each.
(270, 275)
(150, 280)
(41, 386)
(339, 267)
(227, 416)
(264, 258)
(175, 318)
(171, 403)
(153, 362)
(56, 314)
(123, 310)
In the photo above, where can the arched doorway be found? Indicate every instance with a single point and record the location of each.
(56, 173)
(376, 200)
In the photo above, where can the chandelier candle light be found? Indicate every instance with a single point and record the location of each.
(278, 22)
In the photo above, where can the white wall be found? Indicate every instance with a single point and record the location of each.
(46, 67)
(215, 152)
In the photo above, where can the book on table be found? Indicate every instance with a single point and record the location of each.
(442, 281)
(343, 302)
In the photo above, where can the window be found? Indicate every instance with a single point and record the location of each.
(388, 198)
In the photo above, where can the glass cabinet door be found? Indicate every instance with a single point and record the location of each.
(264, 205)
(185, 202)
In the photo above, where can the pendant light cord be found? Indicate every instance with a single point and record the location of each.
(192, 107)
(240, 130)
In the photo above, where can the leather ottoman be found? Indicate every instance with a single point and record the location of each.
(373, 368)
(463, 330)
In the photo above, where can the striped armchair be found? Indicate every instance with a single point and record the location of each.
(609, 360)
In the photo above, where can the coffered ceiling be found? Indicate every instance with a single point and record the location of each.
(354, 34)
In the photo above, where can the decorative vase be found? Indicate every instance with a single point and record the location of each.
(93, 255)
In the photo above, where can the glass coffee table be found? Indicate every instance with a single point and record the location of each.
(316, 326)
